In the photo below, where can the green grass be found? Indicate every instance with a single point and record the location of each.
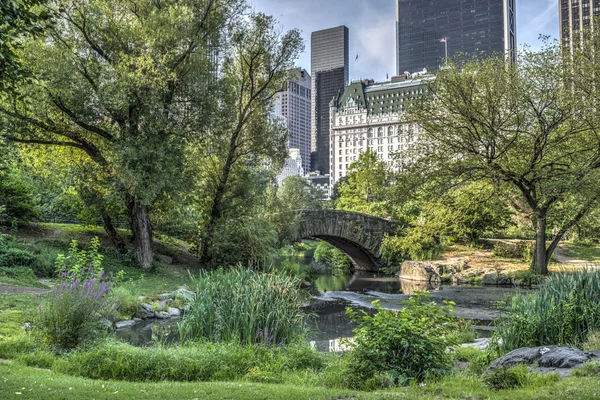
(587, 253)
(16, 309)
(37, 384)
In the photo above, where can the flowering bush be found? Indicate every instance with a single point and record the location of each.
(75, 309)
(80, 263)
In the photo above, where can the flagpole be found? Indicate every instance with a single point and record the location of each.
(446, 46)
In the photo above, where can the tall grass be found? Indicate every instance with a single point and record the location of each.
(243, 306)
(564, 311)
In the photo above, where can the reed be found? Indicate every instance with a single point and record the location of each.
(243, 306)
(564, 311)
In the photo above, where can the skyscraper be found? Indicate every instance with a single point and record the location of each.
(573, 16)
(330, 74)
(428, 30)
(293, 105)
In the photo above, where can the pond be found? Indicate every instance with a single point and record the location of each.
(328, 322)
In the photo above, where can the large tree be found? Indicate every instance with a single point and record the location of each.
(529, 128)
(258, 65)
(127, 83)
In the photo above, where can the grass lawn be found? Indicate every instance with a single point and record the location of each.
(20, 382)
(587, 253)
(16, 309)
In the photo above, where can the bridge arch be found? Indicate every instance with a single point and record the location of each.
(358, 235)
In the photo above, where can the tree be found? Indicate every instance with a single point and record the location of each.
(526, 127)
(366, 187)
(255, 70)
(18, 19)
(127, 83)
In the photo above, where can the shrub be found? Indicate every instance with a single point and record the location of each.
(592, 342)
(478, 359)
(408, 343)
(16, 258)
(73, 311)
(590, 368)
(332, 257)
(516, 377)
(243, 306)
(197, 362)
(80, 263)
(563, 311)
(518, 250)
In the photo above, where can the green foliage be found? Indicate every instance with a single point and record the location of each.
(80, 263)
(332, 257)
(464, 331)
(564, 310)
(16, 201)
(407, 344)
(478, 359)
(243, 306)
(417, 243)
(518, 250)
(515, 377)
(73, 312)
(592, 341)
(590, 368)
(366, 187)
(198, 362)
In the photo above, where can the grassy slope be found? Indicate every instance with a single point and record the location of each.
(19, 382)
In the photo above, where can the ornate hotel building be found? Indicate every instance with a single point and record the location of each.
(368, 116)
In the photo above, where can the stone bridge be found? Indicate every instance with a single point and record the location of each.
(358, 235)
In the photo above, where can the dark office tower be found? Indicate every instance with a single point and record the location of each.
(426, 28)
(573, 16)
(330, 74)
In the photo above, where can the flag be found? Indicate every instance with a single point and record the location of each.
(356, 59)
(443, 40)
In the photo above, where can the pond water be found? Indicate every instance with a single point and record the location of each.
(328, 322)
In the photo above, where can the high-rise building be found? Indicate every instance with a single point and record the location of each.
(369, 116)
(292, 167)
(574, 15)
(427, 31)
(292, 104)
(330, 74)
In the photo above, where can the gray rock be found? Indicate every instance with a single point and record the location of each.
(481, 344)
(162, 259)
(420, 271)
(546, 359)
(161, 315)
(496, 279)
(103, 321)
(137, 319)
(184, 292)
(174, 312)
(146, 311)
(167, 295)
(164, 304)
(125, 324)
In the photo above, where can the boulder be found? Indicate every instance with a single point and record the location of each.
(546, 359)
(174, 312)
(164, 304)
(162, 259)
(146, 311)
(498, 279)
(420, 271)
(161, 315)
(125, 324)
(481, 344)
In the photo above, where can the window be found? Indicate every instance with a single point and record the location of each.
(370, 133)
(380, 132)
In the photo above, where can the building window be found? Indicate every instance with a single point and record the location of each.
(380, 132)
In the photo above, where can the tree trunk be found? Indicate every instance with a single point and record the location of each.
(142, 233)
(215, 213)
(540, 256)
(112, 233)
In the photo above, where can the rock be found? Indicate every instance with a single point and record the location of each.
(184, 293)
(161, 315)
(498, 279)
(174, 312)
(103, 321)
(546, 359)
(162, 259)
(420, 271)
(146, 311)
(164, 304)
(481, 344)
(125, 324)
(167, 295)
(137, 319)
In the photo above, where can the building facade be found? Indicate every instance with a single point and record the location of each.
(292, 105)
(368, 116)
(293, 166)
(573, 16)
(330, 74)
(429, 30)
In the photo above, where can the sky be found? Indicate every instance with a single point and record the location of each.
(372, 25)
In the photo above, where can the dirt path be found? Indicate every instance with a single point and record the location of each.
(561, 257)
(5, 289)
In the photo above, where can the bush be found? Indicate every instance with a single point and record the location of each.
(564, 310)
(409, 343)
(16, 258)
(592, 341)
(80, 263)
(590, 368)
(516, 377)
(244, 306)
(197, 362)
(518, 250)
(332, 257)
(73, 312)
(478, 360)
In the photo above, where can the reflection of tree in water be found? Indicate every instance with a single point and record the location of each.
(332, 283)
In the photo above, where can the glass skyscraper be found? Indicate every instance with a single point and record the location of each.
(427, 29)
(573, 16)
(330, 74)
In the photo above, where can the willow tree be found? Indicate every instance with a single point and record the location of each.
(528, 127)
(127, 83)
(244, 134)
